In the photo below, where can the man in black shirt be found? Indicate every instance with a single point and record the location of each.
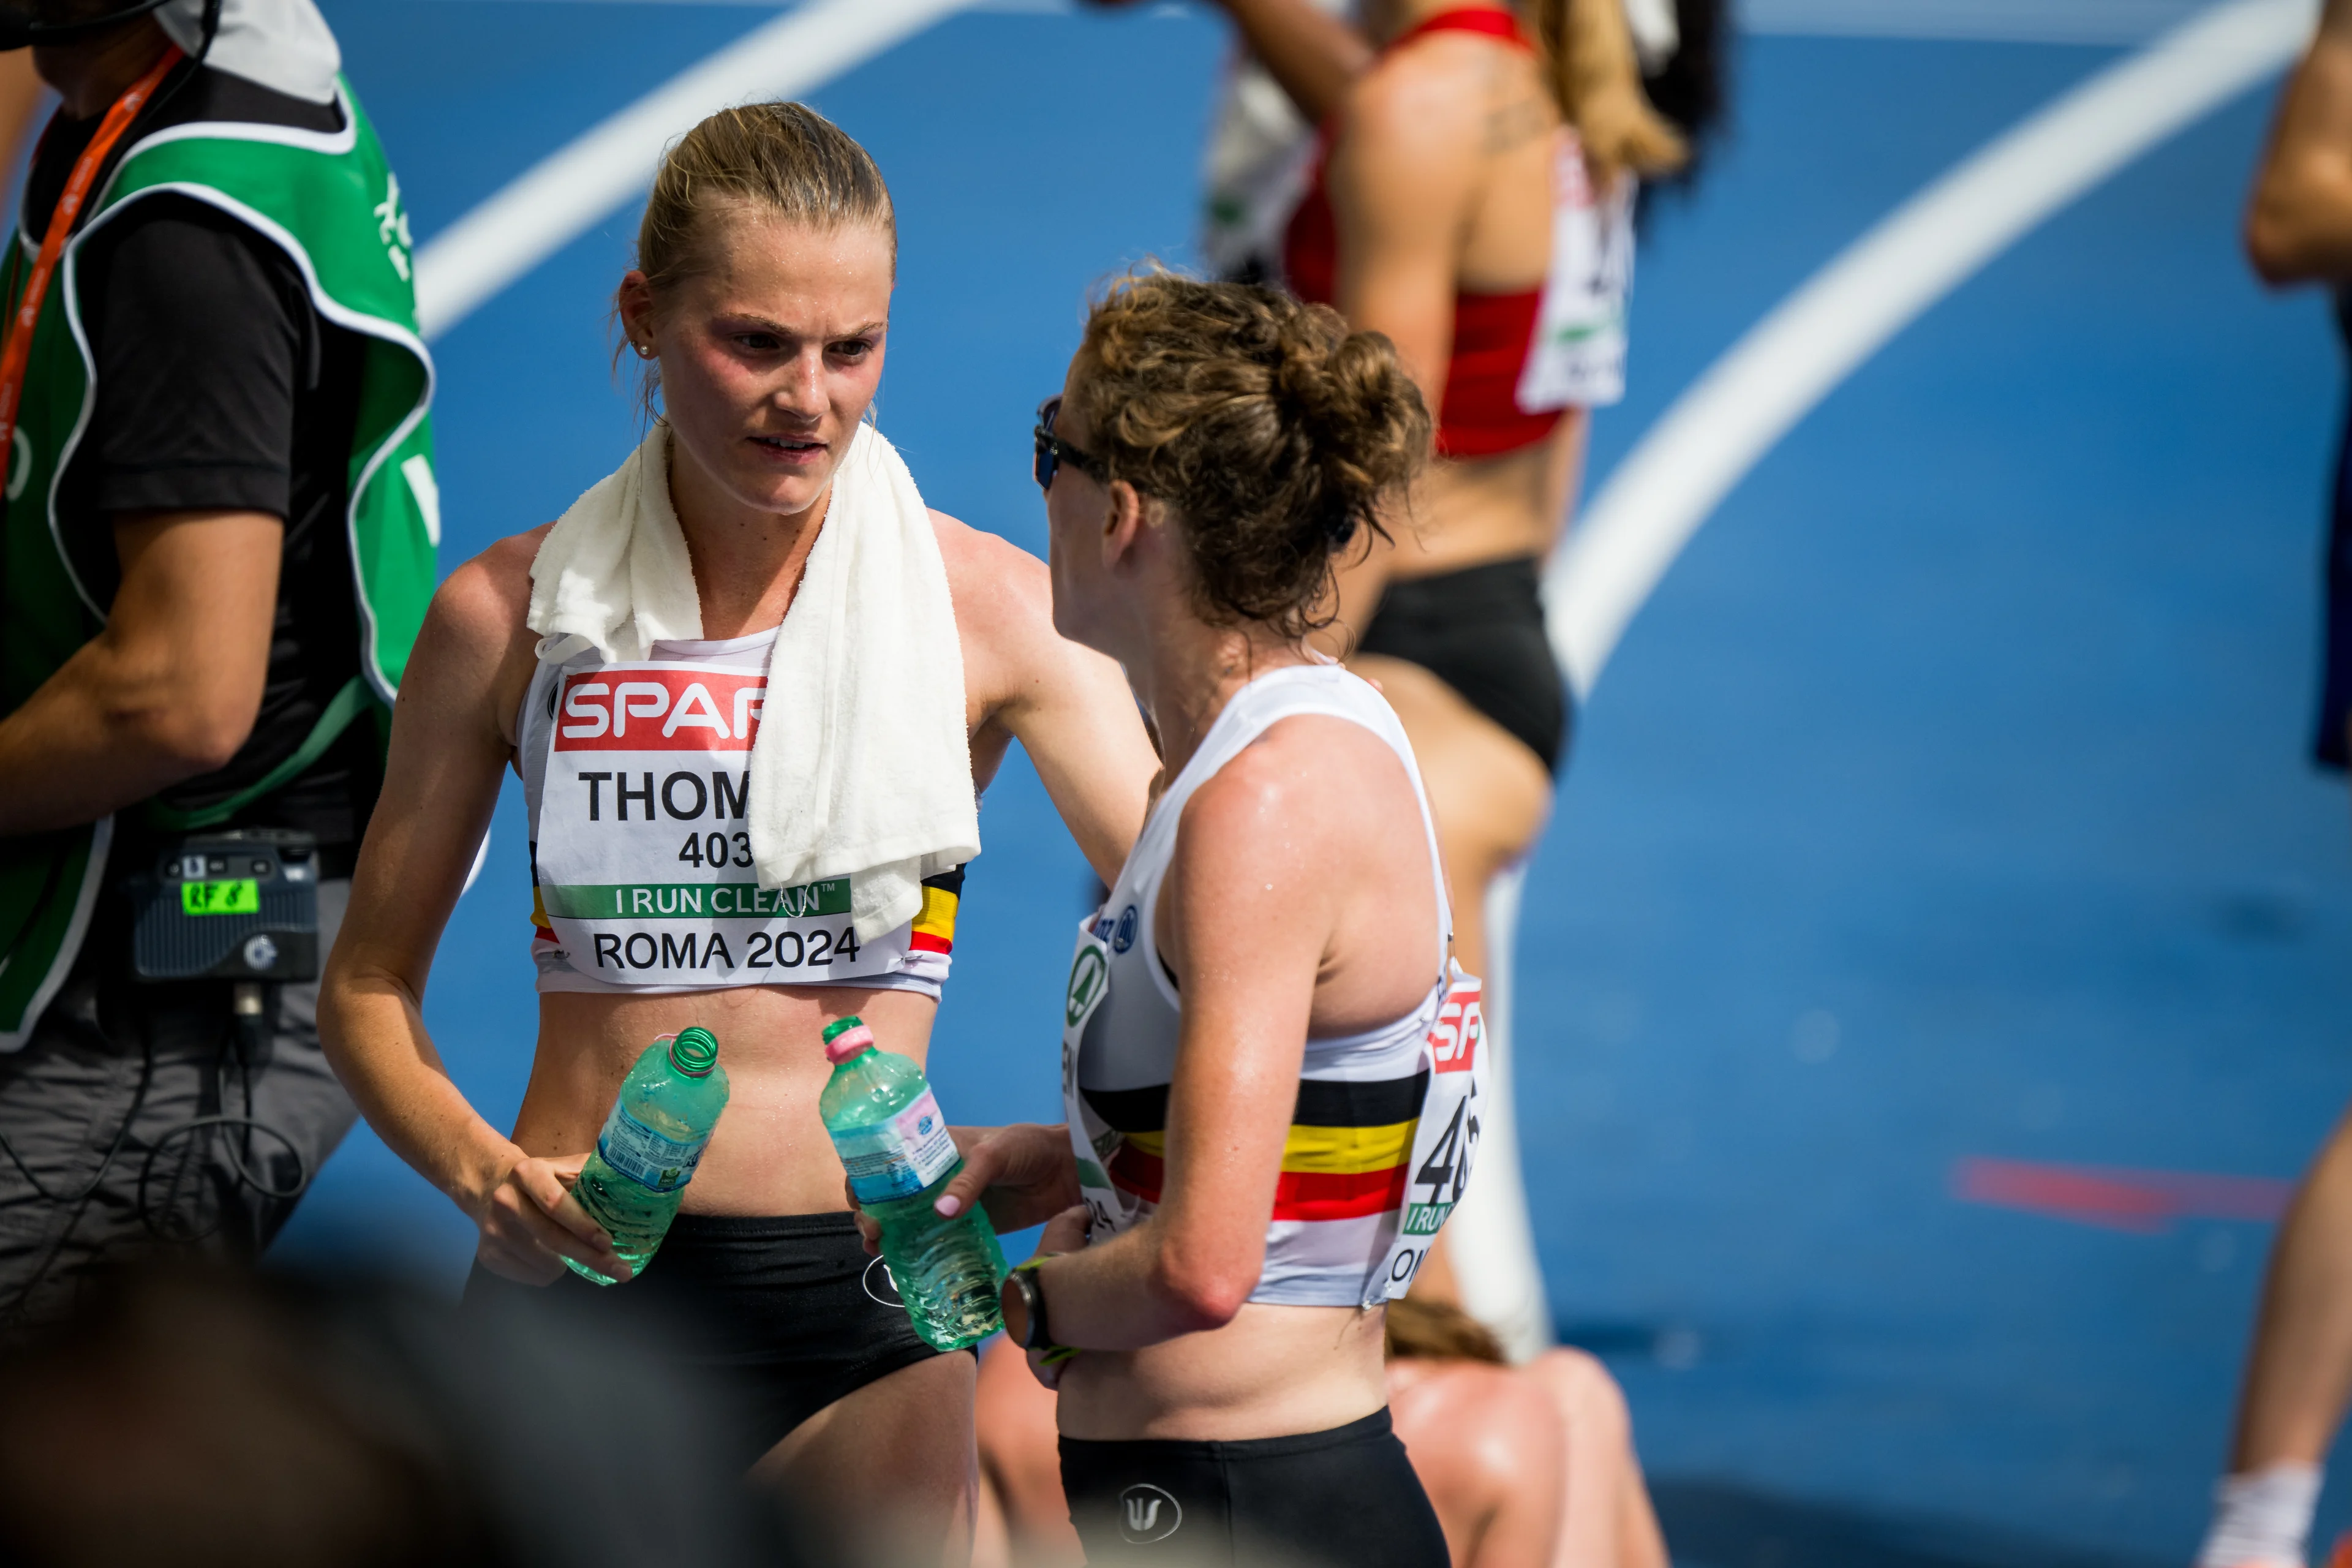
(232, 492)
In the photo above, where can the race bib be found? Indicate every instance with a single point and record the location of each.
(1446, 1140)
(643, 853)
(1091, 1140)
(1578, 359)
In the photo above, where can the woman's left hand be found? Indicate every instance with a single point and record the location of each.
(1066, 1232)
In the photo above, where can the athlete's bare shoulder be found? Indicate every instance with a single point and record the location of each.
(484, 601)
(1327, 787)
(1320, 813)
(1004, 609)
(1431, 94)
(1485, 1441)
(999, 581)
(475, 650)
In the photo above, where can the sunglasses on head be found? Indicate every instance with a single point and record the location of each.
(1053, 451)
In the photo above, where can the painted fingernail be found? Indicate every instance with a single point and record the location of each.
(948, 1207)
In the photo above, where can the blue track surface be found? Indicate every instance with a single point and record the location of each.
(1947, 801)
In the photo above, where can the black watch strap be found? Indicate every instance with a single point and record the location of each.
(1032, 1297)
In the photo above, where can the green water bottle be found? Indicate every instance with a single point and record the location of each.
(892, 1140)
(661, 1123)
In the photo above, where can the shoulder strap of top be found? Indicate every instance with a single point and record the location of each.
(1491, 21)
(1327, 689)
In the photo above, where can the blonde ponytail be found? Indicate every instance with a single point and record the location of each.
(1598, 83)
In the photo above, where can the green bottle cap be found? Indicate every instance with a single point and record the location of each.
(841, 1026)
(694, 1052)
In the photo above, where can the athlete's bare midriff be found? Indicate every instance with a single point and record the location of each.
(1506, 507)
(1272, 1372)
(770, 1154)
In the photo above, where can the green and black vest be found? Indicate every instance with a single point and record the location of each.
(328, 200)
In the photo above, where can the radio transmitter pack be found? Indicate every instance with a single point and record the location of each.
(234, 905)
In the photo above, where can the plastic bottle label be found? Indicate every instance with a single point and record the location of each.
(650, 1159)
(899, 1157)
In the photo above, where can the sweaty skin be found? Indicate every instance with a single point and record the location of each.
(769, 357)
(1298, 902)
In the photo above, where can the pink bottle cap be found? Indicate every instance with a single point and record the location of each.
(846, 1040)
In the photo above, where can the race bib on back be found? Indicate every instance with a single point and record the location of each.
(1578, 359)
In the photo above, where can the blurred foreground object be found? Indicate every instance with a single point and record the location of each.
(2299, 1372)
(192, 1417)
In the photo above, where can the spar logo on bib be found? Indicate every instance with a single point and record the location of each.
(1461, 1025)
(655, 709)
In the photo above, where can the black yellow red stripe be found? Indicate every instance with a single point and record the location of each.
(1345, 1155)
(1297, 1195)
(935, 924)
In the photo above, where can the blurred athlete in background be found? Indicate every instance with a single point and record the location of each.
(760, 527)
(2299, 1370)
(1261, 146)
(221, 521)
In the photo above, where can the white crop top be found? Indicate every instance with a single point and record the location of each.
(1381, 1141)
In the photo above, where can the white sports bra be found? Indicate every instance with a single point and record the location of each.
(1381, 1141)
(636, 778)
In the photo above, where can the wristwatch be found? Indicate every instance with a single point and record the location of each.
(1022, 1285)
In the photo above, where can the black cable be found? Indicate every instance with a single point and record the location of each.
(196, 63)
(121, 1136)
(80, 1201)
(160, 1222)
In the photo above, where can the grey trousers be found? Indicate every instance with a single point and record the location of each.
(106, 1152)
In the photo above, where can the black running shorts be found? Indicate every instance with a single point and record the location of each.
(1342, 1499)
(776, 1316)
(1481, 631)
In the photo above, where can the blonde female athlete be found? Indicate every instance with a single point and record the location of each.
(762, 293)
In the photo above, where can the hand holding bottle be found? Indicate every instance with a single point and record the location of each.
(1022, 1174)
(530, 1223)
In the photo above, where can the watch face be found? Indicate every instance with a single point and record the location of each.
(1030, 1337)
(1033, 1308)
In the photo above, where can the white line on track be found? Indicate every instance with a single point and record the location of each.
(1991, 21)
(1725, 422)
(559, 198)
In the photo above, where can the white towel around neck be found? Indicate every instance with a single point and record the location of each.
(862, 767)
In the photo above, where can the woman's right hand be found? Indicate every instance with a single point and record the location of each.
(530, 1223)
(1024, 1174)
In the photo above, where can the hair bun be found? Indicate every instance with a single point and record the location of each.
(1275, 431)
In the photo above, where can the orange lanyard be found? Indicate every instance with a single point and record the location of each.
(19, 349)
